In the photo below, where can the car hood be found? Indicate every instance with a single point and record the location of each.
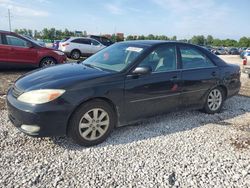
(57, 77)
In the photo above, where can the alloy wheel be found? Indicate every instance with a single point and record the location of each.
(94, 124)
(48, 62)
(75, 55)
(214, 99)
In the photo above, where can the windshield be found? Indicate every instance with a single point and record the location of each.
(115, 57)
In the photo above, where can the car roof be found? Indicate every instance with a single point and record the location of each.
(156, 42)
(6, 32)
(80, 38)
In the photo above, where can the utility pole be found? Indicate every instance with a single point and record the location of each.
(9, 19)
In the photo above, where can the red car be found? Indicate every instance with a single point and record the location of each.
(19, 51)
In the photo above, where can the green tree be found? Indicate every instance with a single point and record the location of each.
(174, 38)
(209, 40)
(130, 37)
(198, 40)
(217, 42)
(151, 37)
(244, 42)
(141, 37)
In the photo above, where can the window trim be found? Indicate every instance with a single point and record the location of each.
(196, 49)
(5, 37)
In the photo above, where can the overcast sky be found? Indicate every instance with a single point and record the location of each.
(184, 18)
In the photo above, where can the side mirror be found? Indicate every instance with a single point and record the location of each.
(142, 70)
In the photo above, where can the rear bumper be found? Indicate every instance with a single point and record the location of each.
(51, 118)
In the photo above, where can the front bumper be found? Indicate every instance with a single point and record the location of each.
(52, 118)
(62, 59)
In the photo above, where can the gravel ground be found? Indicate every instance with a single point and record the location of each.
(181, 149)
(185, 149)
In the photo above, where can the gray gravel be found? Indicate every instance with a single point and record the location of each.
(183, 149)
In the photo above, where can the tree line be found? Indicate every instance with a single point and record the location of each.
(55, 34)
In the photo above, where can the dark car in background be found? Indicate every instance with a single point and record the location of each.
(104, 40)
(244, 55)
(233, 51)
(121, 84)
(18, 51)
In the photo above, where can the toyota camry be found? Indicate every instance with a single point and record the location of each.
(123, 83)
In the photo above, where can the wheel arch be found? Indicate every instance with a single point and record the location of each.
(224, 89)
(45, 58)
(103, 99)
(76, 49)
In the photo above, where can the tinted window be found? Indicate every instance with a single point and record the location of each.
(105, 40)
(192, 58)
(14, 41)
(1, 39)
(81, 41)
(95, 42)
(161, 59)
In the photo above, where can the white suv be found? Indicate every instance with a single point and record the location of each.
(75, 47)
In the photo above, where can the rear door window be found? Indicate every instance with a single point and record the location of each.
(81, 41)
(192, 58)
(15, 41)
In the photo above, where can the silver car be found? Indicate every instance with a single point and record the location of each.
(75, 47)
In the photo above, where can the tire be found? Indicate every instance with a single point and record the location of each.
(214, 101)
(86, 130)
(48, 61)
(75, 54)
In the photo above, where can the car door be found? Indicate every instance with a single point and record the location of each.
(86, 47)
(82, 44)
(4, 51)
(199, 74)
(96, 46)
(155, 93)
(20, 52)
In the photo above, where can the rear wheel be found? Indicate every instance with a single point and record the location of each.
(214, 101)
(75, 54)
(92, 123)
(48, 61)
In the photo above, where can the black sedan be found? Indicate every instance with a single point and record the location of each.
(121, 84)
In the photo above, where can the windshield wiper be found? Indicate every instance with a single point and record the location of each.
(92, 66)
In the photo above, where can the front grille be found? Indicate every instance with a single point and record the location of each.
(16, 92)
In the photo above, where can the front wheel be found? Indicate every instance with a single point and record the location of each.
(214, 101)
(92, 123)
(48, 61)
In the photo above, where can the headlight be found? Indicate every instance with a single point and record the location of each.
(58, 52)
(40, 96)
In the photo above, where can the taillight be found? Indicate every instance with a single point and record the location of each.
(244, 61)
(65, 44)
